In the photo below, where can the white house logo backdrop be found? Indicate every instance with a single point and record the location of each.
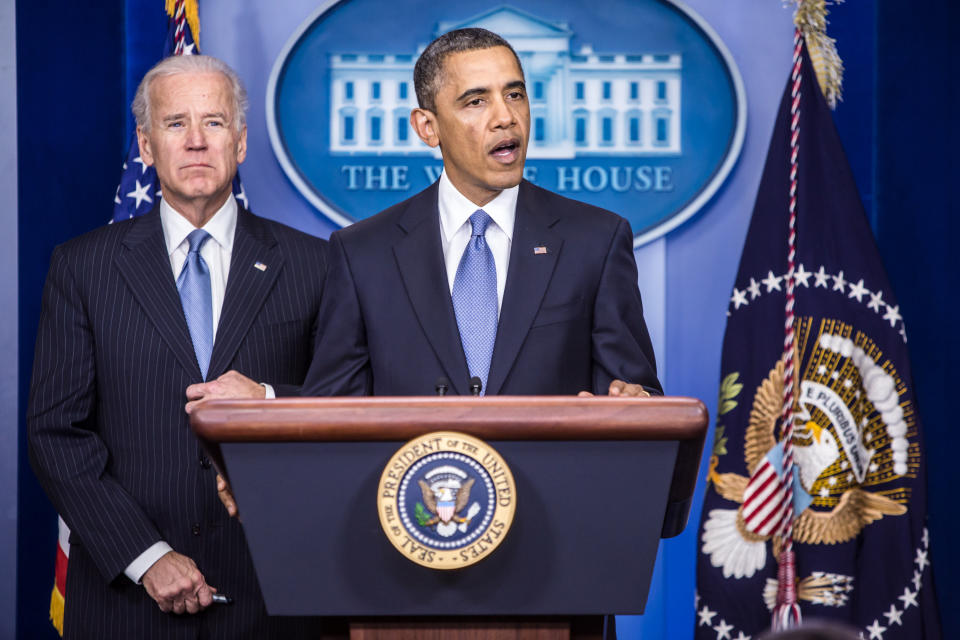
(635, 106)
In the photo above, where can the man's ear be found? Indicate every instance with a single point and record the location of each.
(424, 122)
(143, 141)
(242, 145)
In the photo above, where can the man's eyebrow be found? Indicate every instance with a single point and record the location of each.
(516, 84)
(180, 116)
(472, 92)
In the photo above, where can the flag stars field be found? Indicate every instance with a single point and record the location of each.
(772, 281)
(893, 616)
(140, 194)
(705, 615)
(839, 283)
(820, 278)
(876, 631)
(802, 276)
(909, 598)
(893, 315)
(723, 630)
(738, 298)
(143, 165)
(857, 291)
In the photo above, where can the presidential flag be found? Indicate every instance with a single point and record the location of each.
(815, 344)
(136, 195)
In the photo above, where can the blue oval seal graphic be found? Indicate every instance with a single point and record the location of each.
(446, 500)
(635, 105)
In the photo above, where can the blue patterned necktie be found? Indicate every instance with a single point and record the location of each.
(475, 299)
(197, 299)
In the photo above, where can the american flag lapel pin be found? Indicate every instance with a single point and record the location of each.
(259, 265)
(539, 251)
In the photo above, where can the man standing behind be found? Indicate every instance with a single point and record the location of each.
(482, 274)
(132, 314)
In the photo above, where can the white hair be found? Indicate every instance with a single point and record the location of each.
(188, 64)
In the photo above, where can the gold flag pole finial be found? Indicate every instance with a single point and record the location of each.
(811, 18)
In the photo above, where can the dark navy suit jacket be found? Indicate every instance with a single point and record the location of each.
(109, 439)
(571, 317)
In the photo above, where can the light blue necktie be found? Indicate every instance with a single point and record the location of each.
(197, 299)
(475, 299)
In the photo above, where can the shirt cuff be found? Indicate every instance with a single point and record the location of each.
(145, 560)
(271, 394)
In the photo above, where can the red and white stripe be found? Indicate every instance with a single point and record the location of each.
(63, 554)
(763, 500)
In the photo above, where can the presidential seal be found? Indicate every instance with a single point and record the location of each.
(854, 444)
(446, 500)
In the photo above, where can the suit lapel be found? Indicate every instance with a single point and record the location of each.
(528, 275)
(420, 260)
(247, 287)
(145, 266)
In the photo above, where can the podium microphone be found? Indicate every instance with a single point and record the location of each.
(475, 385)
(442, 386)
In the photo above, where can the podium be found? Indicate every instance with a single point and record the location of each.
(598, 482)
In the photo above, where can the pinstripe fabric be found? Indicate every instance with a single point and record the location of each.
(109, 439)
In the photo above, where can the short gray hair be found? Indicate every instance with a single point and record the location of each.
(188, 64)
(428, 72)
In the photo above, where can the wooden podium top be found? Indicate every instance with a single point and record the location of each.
(494, 418)
(489, 418)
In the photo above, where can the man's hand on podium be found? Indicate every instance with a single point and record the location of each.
(232, 384)
(621, 388)
(226, 496)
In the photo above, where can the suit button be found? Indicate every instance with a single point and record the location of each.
(205, 462)
(196, 529)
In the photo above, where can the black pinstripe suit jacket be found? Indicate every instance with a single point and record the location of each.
(109, 439)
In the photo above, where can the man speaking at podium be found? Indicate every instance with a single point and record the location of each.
(482, 275)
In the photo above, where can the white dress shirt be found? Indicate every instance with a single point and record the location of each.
(216, 252)
(455, 229)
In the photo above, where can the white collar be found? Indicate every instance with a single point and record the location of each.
(456, 208)
(221, 226)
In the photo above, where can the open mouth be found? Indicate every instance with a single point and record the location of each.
(506, 150)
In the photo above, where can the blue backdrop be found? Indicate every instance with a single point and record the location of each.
(78, 64)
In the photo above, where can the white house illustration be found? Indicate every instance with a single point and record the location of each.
(581, 104)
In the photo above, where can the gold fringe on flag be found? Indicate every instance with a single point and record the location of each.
(193, 17)
(811, 18)
(56, 610)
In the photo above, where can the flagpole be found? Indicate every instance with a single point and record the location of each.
(786, 614)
